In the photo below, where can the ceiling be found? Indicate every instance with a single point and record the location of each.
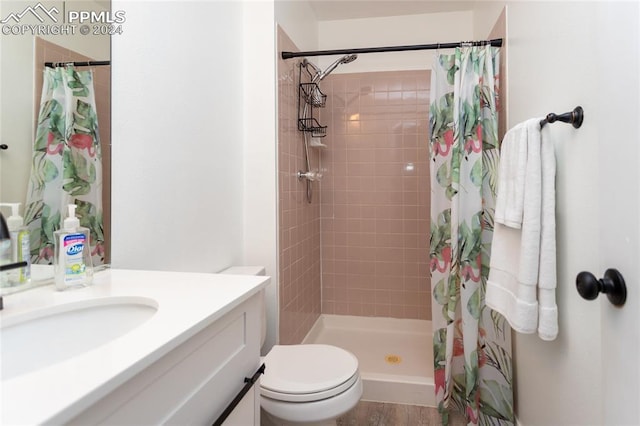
(330, 10)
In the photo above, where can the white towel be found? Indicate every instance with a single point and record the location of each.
(522, 275)
(511, 174)
(548, 311)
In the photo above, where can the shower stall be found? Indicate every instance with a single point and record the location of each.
(354, 221)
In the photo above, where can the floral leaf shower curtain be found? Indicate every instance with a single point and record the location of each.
(67, 163)
(472, 343)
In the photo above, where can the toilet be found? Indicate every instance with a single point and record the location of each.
(305, 384)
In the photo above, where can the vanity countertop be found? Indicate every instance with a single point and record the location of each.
(186, 303)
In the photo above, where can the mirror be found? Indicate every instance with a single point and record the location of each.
(34, 32)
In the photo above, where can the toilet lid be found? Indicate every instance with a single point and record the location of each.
(307, 372)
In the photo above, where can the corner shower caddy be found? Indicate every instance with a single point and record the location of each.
(309, 97)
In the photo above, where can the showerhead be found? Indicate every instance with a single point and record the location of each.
(346, 59)
(343, 60)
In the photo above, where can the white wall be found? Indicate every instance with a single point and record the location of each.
(16, 115)
(485, 14)
(178, 173)
(194, 180)
(260, 172)
(392, 31)
(297, 19)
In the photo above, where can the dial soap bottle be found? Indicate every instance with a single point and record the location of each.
(72, 254)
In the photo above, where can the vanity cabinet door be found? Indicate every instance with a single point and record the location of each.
(193, 383)
(247, 412)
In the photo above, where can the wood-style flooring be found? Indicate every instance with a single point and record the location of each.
(384, 414)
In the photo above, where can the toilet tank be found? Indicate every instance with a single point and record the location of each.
(253, 270)
(244, 270)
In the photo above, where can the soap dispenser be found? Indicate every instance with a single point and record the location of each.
(20, 245)
(72, 254)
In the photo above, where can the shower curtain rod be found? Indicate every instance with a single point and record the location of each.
(76, 64)
(288, 55)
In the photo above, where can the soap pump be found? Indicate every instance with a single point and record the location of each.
(72, 254)
(20, 245)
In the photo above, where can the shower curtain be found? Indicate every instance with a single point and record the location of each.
(67, 163)
(472, 343)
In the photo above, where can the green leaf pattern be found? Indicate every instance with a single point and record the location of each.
(66, 164)
(472, 344)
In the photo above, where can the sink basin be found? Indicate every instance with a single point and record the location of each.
(38, 339)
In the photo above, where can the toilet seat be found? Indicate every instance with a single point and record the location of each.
(304, 373)
(310, 397)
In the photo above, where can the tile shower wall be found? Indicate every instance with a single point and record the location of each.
(375, 195)
(299, 221)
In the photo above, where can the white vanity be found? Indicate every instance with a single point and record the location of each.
(136, 347)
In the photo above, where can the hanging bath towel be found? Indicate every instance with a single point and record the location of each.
(522, 275)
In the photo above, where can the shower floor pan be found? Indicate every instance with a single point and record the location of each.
(395, 356)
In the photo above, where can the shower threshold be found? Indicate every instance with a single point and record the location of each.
(395, 356)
